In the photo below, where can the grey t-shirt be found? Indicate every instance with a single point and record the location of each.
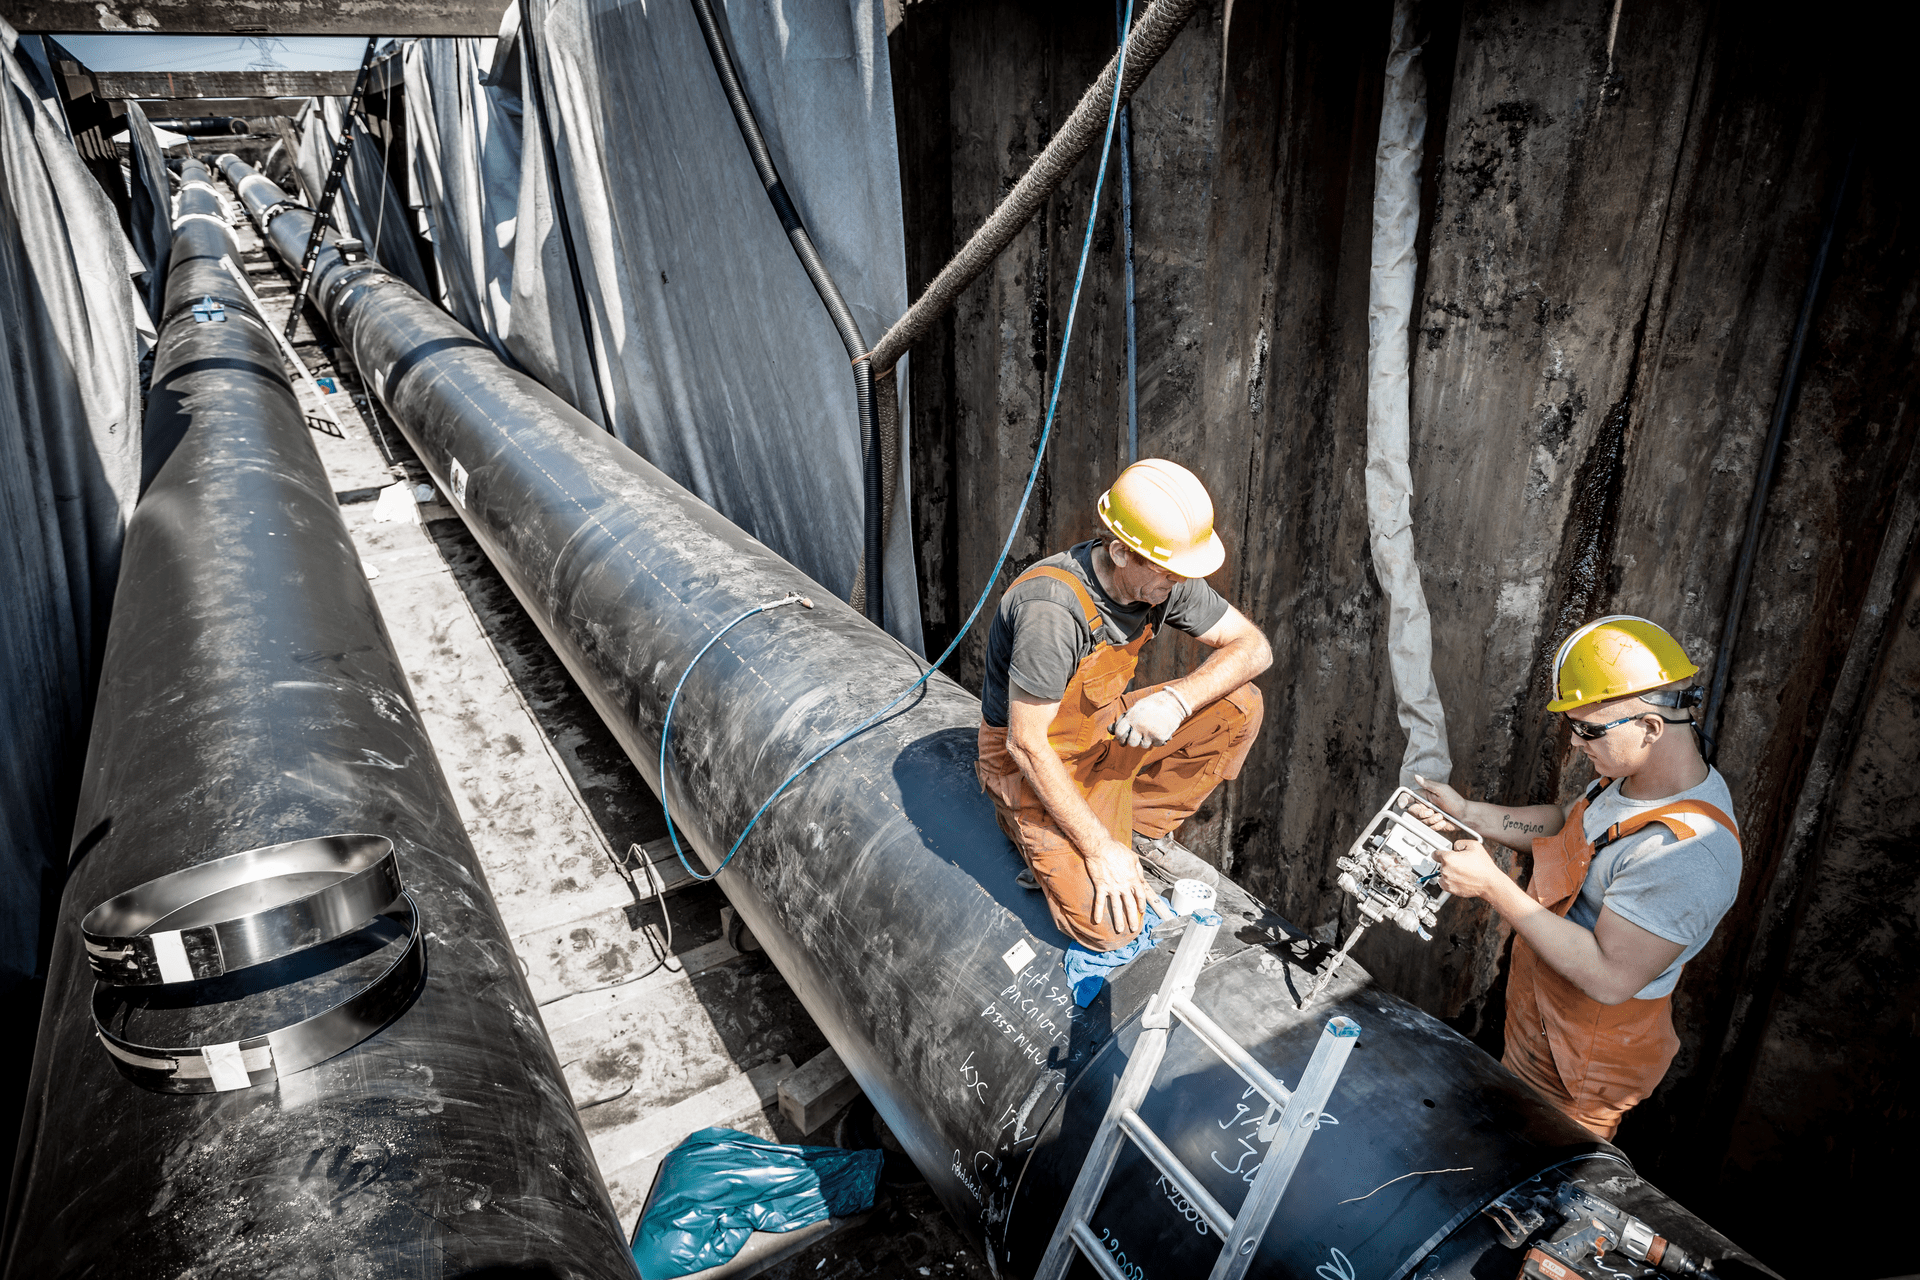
(1675, 888)
(1040, 635)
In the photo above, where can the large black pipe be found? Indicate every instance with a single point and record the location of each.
(883, 889)
(250, 696)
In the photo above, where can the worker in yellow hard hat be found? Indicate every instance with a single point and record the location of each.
(1629, 881)
(1078, 767)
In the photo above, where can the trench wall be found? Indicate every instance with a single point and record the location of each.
(1622, 209)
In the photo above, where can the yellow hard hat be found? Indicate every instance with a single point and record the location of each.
(1161, 510)
(1615, 657)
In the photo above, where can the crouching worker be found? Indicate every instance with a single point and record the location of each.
(1077, 766)
(1628, 884)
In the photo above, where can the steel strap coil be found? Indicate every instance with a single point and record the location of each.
(242, 910)
(262, 1059)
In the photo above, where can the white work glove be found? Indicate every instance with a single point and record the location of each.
(1152, 720)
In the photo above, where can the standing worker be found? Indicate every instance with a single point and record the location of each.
(1078, 768)
(1628, 884)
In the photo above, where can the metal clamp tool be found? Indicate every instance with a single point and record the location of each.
(1393, 870)
(240, 1064)
(242, 910)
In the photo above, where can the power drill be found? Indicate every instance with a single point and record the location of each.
(1589, 1229)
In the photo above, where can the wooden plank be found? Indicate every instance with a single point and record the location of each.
(584, 938)
(560, 906)
(579, 955)
(258, 17)
(646, 1140)
(581, 1024)
(811, 1095)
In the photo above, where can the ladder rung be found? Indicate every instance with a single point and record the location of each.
(1182, 1178)
(1096, 1253)
(1231, 1053)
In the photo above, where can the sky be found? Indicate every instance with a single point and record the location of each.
(217, 53)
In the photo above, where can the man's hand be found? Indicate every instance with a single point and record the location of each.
(1118, 889)
(1152, 720)
(1442, 797)
(1468, 871)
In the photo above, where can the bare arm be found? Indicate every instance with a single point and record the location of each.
(1240, 652)
(1609, 962)
(1513, 826)
(1118, 887)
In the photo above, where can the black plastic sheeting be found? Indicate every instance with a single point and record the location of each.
(70, 349)
(881, 885)
(715, 359)
(250, 696)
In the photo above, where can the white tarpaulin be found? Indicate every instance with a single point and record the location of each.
(715, 357)
(466, 145)
(376, 214)
(1396, 220)
(69, 473)
(151, 196)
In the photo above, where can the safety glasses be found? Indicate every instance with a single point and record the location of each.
(1595, 732)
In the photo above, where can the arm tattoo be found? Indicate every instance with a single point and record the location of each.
(1525, 828)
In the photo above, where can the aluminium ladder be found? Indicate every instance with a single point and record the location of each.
(1299, 1114)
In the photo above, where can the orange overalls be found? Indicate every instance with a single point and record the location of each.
(1151, 790)
(1593, 1061)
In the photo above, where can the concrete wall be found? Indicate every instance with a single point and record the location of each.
(1623, 208)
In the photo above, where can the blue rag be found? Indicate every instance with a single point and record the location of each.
(1087, 970)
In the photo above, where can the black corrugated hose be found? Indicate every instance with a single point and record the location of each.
(829, 293)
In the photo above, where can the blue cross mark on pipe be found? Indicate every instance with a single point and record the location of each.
(208, 311)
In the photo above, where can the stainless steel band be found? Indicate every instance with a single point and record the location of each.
(241, 910)
(240, 1064)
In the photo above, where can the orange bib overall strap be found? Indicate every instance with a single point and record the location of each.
(1593, 1061)
(1089, 704)
(1560, 863)
(1078, 733)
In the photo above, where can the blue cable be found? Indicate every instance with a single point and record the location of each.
(1006, 548)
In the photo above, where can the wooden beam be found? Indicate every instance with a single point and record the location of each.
(245, 108)
(257, 17)
(188, 86)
